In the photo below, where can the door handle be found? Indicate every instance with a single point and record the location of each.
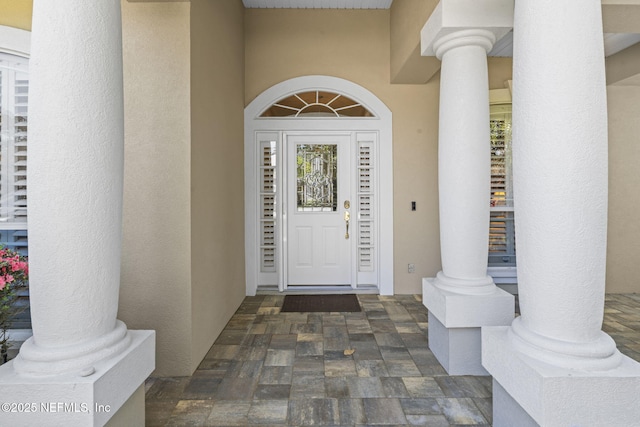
(347, 217)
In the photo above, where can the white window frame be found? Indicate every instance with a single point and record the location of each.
(16, 42)
(506, 275)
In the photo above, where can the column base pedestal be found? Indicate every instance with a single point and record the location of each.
(72, 400)
(528, 392)
(457, 349)
(455, 321)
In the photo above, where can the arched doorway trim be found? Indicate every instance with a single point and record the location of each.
(375, 128)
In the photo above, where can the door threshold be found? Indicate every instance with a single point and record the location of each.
(317, 290)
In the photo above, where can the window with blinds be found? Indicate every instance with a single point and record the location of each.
(14, 99)
(502, 240)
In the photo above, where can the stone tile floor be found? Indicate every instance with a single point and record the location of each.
(290, 369)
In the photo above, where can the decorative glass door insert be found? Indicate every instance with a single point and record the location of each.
(317, 177)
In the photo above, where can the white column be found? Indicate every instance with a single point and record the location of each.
(560, 187)
(560, 181)
(76, 143)
(462, 297)
(464, 161)
(81, 365)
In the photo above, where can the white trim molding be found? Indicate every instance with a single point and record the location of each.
(15, 41)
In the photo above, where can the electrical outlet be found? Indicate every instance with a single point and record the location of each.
(411, 268)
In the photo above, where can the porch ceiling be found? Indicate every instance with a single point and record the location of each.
(621, 21)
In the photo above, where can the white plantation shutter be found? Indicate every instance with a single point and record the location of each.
(14, 98)
(365, 207)
(267, 208)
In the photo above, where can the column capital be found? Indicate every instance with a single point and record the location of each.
(482, 38)
(466, 22)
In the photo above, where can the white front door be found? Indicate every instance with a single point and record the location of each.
(318, 187)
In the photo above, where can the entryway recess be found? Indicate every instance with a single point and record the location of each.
(318, 188)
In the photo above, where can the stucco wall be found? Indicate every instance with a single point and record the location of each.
(183, 171)
(16, 13)
(407, 64)
(623, 250)
(156, 275)
(354, 45)
(217, 168)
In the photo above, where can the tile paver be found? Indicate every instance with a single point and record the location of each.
(290, 369)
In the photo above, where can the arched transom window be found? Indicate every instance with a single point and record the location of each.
(316, 103)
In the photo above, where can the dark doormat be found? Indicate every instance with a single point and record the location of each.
(320, 303)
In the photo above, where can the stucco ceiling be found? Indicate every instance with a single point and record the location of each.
(318, 4)
(613, 43)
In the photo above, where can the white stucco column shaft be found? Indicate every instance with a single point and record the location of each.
(76, 141)
(464, 162)
(554, 366)
(460, 33)
(560, 181)
(462, 298)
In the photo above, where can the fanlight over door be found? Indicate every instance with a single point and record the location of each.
(316, 103)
